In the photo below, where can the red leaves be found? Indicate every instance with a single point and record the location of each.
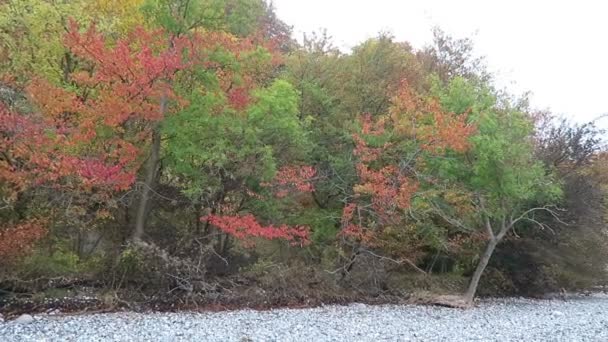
(239, 98)
(37, 152)
(97, 173)
(19, 239)
(293, 178)
(247, 227)
(88, 135)
(129, 76)
(288, 179)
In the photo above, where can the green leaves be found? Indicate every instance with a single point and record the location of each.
(209, 140)
(239, 17)
(500, 167)
(275, 118)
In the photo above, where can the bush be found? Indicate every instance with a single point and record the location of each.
(152, 270)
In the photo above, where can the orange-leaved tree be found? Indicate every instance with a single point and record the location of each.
(391, 154)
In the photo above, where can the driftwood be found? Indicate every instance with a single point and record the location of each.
(452, 301)
(448, 301)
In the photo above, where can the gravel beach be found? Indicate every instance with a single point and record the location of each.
(577, 319)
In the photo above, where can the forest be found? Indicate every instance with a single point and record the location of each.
(186, 153)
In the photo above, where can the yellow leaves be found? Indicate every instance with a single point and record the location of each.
(119, 16)
(31, 31)
(103, 214)
(363, 189)
(462, 202)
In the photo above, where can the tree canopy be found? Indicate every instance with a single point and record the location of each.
(200, 135)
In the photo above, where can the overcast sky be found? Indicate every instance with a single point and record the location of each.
(556, 49)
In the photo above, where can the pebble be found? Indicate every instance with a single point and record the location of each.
(492, 320)
(24, 319)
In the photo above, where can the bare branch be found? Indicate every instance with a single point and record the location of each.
(530, 211)
(525, 217)
(540, 224)
(399, 262)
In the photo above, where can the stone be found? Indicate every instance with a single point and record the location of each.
(24, 319)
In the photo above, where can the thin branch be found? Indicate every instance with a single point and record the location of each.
(399, 262)
(525, 217)
(453, 221)
(540, 224)
(529, 211)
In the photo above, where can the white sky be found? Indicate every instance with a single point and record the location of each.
(556, 49)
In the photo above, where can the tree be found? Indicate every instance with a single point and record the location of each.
(231, 62)
(571, 252)
(500, 171)
(391, 154)
(448, 58)
(374, 71)
(224, 169)
(89, 139)
(32, 31)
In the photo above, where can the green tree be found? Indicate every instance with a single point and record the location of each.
(30, 37)
(500, 172)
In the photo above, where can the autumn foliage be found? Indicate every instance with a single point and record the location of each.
(290, 179)
(205, 131)
(246, 227)
(387, 182)
(19, 239)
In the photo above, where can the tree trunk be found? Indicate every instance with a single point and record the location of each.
(150, 178)
(481, 266)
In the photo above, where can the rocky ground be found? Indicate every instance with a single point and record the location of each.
(575, 319)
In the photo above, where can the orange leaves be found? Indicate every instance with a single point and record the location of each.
(423, 120)
(247, 227)
(406, 190)
(86, 137)
(388, 187)
(351, 225)
(382, 192)
(448, 131)
(389, 151)
(53, 102)
(19, 239)
(407, 107)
